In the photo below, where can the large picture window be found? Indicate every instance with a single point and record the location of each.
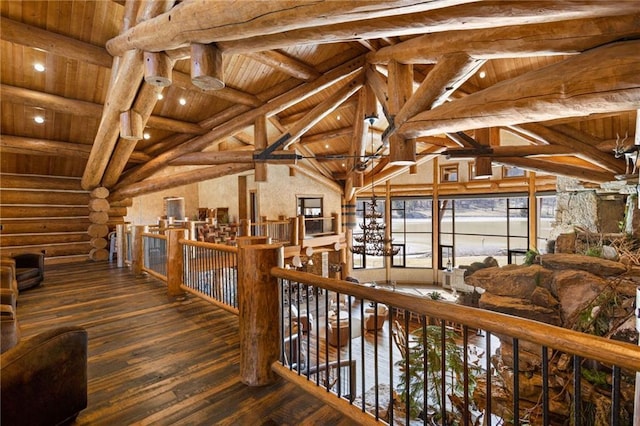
(411, 230)
(474, 228)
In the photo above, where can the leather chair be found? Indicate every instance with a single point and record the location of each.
(29, 269)
(374, 318)
(43, 379)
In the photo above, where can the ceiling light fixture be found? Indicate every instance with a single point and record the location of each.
(38, 67)
(182, 101)
(38, 119)
(373, 241)
(160, 96)
(146, 135)
(482, 74)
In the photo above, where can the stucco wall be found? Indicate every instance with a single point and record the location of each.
(147, 208)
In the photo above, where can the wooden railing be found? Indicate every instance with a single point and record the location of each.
(357, 347)
(415, 324)
(211, 273)
(154, 247)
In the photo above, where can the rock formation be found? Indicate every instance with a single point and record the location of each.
(583, 293)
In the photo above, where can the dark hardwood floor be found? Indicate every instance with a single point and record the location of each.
(156, 361)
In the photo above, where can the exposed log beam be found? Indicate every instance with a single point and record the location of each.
(285, 64)
(211, 158)
(297, 94)
(206, 22)
(86, 109)
(179, 179)
(143, 105)
(509, 151)
(581, 149)
(550, 38)
(450, 72)
(35, 146)
(324, 108)
(68, 47)
(120, 98)
(561, 169)
(53, 102)
(600, 80)
(402, 151)
(477, 15)
(38, 38)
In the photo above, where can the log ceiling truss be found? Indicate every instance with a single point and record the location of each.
(197, 89)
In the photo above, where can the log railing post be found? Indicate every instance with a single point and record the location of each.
(295, 231)
(137, 261)
(259, 313)
(302, 229)
(245, 227)
(175, 261)
(121, 246)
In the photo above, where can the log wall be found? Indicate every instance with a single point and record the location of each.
(48, 213)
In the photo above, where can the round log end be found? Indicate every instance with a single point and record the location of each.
(207, 82)
(99, 243)
(98, 254)
(100, 192)
(157, 80)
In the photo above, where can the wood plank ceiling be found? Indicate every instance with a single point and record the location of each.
(301, 75)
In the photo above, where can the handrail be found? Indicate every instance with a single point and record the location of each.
(156, 236)
(216, 246)
(589, 346)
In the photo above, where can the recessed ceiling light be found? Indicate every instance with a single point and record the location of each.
(344, 165)
(483, 74)
(182, 101)
(160, 96)
(327, 146)
(338, 118)
(146, 135)
(38, 67)
(38, 119)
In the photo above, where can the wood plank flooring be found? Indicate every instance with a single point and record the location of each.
(156, 361)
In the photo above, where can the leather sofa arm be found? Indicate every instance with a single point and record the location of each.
(30, 260)
(44, 378)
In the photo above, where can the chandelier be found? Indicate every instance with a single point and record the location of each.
(373, 242)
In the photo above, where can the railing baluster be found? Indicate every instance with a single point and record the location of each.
(516, 383)
(615, 396)
(443, 371)
(488, 374)
(545, 385)
(465, 362)
(425, 369)
(577, 391)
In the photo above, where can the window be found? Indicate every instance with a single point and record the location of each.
(411, 230)
(311, 207)
(512, 172)
(449, 173)
(474, 228)
(546, 216)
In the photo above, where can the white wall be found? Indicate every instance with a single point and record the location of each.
(147, 208)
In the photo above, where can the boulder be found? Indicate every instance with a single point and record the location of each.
(594, 265)
(519, 282)
(543, 297)
(575, 289)
(519, 307)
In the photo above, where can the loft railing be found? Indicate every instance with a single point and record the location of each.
(402, 360)
(154, 247)
(210, 271)
(278, 230)
(358, 348)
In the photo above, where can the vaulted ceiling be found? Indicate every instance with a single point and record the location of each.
(210, 88)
